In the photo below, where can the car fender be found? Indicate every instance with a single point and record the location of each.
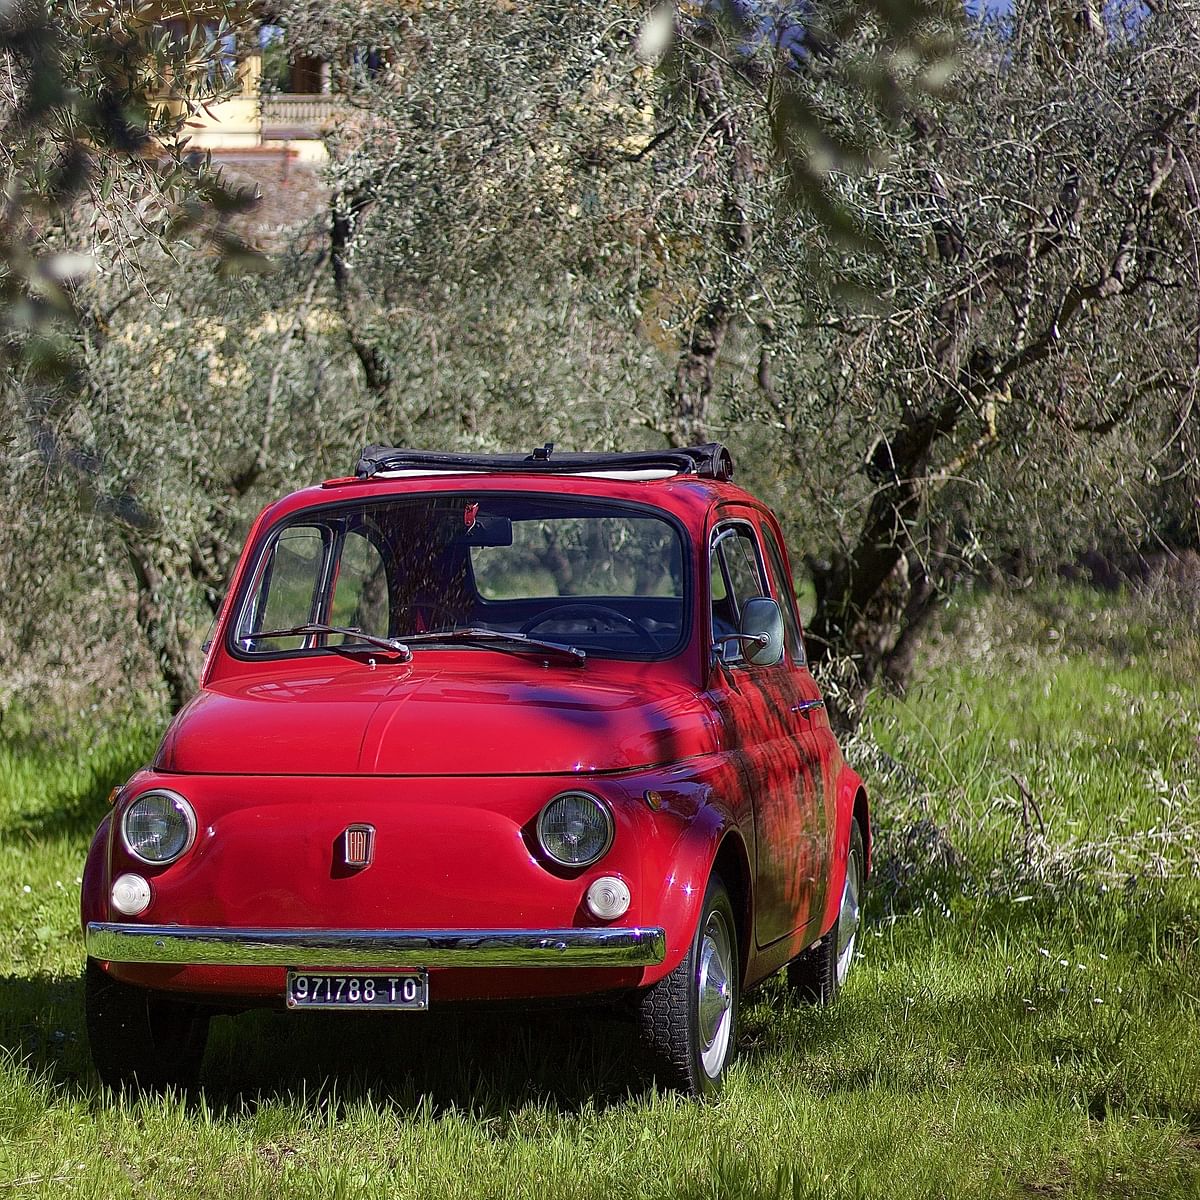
(93, 903)
(711, 836)
(851, 800)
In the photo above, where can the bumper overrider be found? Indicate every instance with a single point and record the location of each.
(182, 945)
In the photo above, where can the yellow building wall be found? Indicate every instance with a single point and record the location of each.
(232, 123)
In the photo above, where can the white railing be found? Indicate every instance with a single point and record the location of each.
(296, 111)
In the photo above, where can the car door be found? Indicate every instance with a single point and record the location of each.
(764, 727)
(810, 720)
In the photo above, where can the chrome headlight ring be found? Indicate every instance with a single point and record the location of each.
(575, 829)
(168, 827)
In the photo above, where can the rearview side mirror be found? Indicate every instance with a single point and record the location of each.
(762, 631)
(487, 530)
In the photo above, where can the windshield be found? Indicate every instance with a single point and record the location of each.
(606, 578)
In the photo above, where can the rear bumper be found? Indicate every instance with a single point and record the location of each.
(185, 945)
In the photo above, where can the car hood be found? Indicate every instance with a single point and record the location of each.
(471, 719)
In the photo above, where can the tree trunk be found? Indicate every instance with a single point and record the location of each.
(690, 395)
(345, 212)
(928, 582)
(176, 658)
(872, 601)
(689, 398)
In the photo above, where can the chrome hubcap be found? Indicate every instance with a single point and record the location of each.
(714, 982)
(848, 918)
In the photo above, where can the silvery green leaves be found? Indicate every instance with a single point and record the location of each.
(95, 165)
(832, 77)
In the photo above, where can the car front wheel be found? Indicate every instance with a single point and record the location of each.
(689, 1019)
(141, 1040)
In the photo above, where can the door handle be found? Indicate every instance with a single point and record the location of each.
(807, 706)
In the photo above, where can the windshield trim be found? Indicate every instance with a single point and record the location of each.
(257, 556)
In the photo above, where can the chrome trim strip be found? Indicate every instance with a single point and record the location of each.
(176, 945)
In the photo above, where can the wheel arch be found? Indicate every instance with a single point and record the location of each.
(862, 814)
(732, 863)
(711, 841)
(852, 806)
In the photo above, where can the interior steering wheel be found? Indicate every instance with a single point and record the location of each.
(566, 611)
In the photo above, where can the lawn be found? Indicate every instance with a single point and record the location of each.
(1024, 1021)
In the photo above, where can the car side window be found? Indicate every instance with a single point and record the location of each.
(736, 576)
(289, 586)
(787, 598)
(360, 593)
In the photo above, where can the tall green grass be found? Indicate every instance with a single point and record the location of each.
(1023, 1022)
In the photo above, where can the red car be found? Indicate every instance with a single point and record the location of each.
(497, 728)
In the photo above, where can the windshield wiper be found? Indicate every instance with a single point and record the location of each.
(515, 642)
(394, 645)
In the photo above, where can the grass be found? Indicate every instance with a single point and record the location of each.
(1024, 1021)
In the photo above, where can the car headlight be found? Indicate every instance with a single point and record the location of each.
(158, 827)
(575, 829)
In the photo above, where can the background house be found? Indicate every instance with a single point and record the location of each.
(284, 103)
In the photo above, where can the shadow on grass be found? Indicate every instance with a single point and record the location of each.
(42, 1035)
(487, 1063)
(484, 1062)
(567, 1059)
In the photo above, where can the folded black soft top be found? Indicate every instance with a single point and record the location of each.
(711, 461)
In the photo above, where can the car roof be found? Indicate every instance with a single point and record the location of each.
(685, 496)
(686, 482)
(709, 461)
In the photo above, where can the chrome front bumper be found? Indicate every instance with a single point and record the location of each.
(180, 945)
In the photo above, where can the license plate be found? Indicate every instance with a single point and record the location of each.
(317, 989)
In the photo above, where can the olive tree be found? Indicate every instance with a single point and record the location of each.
(98, 183)
(943, 320)
(1027, 376)
(942, 327)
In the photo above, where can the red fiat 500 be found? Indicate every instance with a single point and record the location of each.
(487, 728)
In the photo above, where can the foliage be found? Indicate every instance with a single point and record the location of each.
(946, 323)
(98, 183)
(1029, 379)
(533, 228)
(197, 412)
(93, 161)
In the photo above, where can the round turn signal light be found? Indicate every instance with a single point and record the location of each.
(608, 898)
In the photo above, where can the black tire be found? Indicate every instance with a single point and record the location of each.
(141, 1040)
(692, 1045)
(817, 975)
